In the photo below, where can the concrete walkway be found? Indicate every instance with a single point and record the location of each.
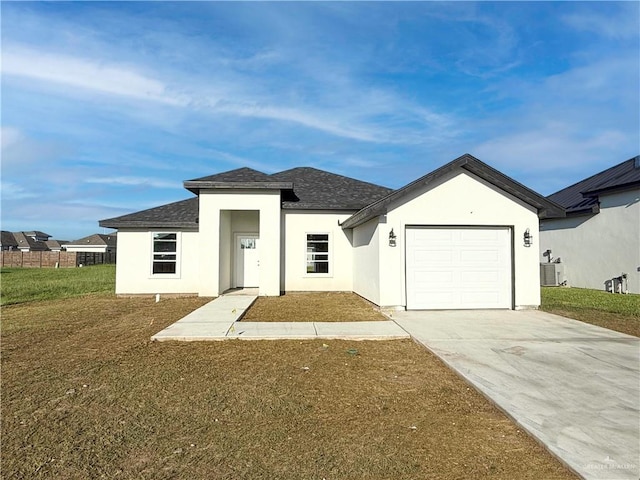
(218, 320)
(573, 386)
(212, 321)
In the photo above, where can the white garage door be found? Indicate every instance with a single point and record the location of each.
(458, 268)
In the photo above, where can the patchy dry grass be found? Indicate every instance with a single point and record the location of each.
(313, 307)
(86, 395)
(616, 312)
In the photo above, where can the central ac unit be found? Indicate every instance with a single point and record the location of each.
(551, 274)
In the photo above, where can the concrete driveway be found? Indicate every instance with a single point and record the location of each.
(573, 386)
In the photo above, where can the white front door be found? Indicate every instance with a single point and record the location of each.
(247, 260)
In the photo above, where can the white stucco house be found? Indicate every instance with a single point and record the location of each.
(459, 237)
(598, 242)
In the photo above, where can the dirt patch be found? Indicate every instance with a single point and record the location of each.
(85, 394)
(313, 307)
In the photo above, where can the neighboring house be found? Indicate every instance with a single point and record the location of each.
(32, 241)
(8, 241)
(599, 240)
(37, 235)
(56, 245)
(97, 243)
(458, 237)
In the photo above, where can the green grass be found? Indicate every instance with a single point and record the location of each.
(20, 285)
(608, 310)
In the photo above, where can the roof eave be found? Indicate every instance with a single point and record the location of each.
(196, 185)
(616, 188)
(545, 208)
(592, 210)
(318, 207)
(146, 224)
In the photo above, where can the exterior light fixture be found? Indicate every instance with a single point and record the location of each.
(392, 238)
(528, 238)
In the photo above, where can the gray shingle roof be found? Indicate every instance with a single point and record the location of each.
(238, 175)
(7, 239)
(26, 241)
(37, 234)
(582, 197)
(318, 189)
(55, 244)
(182, 214)
(97, 239)
(467, 162)
(245, 178)
(302, 188)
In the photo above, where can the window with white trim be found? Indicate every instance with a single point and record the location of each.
(318, 253)
(165, 254)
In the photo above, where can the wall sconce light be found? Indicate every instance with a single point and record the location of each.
(528, 238)
(392, 238)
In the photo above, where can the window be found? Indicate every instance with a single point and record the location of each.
(165, 253)
(318, 253)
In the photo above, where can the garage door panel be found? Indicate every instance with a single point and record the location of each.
(424, 257)
(479, 257)
(435, 277)
(478, 279)
(444, 297)
(436, 236)
(479, 236)
(450, 268)
(470, 299)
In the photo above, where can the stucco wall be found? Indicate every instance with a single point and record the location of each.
(366, 266)
(597, 248)
(464, 200)
(133, 268)
(214, 223)
(296, 225)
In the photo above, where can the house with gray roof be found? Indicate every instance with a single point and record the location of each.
(96, 243)
(458, 237)
(34, 241)
(8, 241)
(56, 245)
(597, 244)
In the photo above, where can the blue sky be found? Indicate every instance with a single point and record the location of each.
(108, 107)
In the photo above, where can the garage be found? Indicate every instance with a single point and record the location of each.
(458, 267)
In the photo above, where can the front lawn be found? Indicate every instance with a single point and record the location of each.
(609, 310)
(86, 395)
(313, 307)
(21, 285)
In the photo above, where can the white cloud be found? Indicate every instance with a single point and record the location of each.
(314, 120)
(552, 147)
(133, 181)
(14, 191)
(624, 23)
(359, 162)
(345, 111)
(86, 74)
(9, 136)
(19, 150)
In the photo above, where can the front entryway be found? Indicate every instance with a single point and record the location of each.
(247, 260)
